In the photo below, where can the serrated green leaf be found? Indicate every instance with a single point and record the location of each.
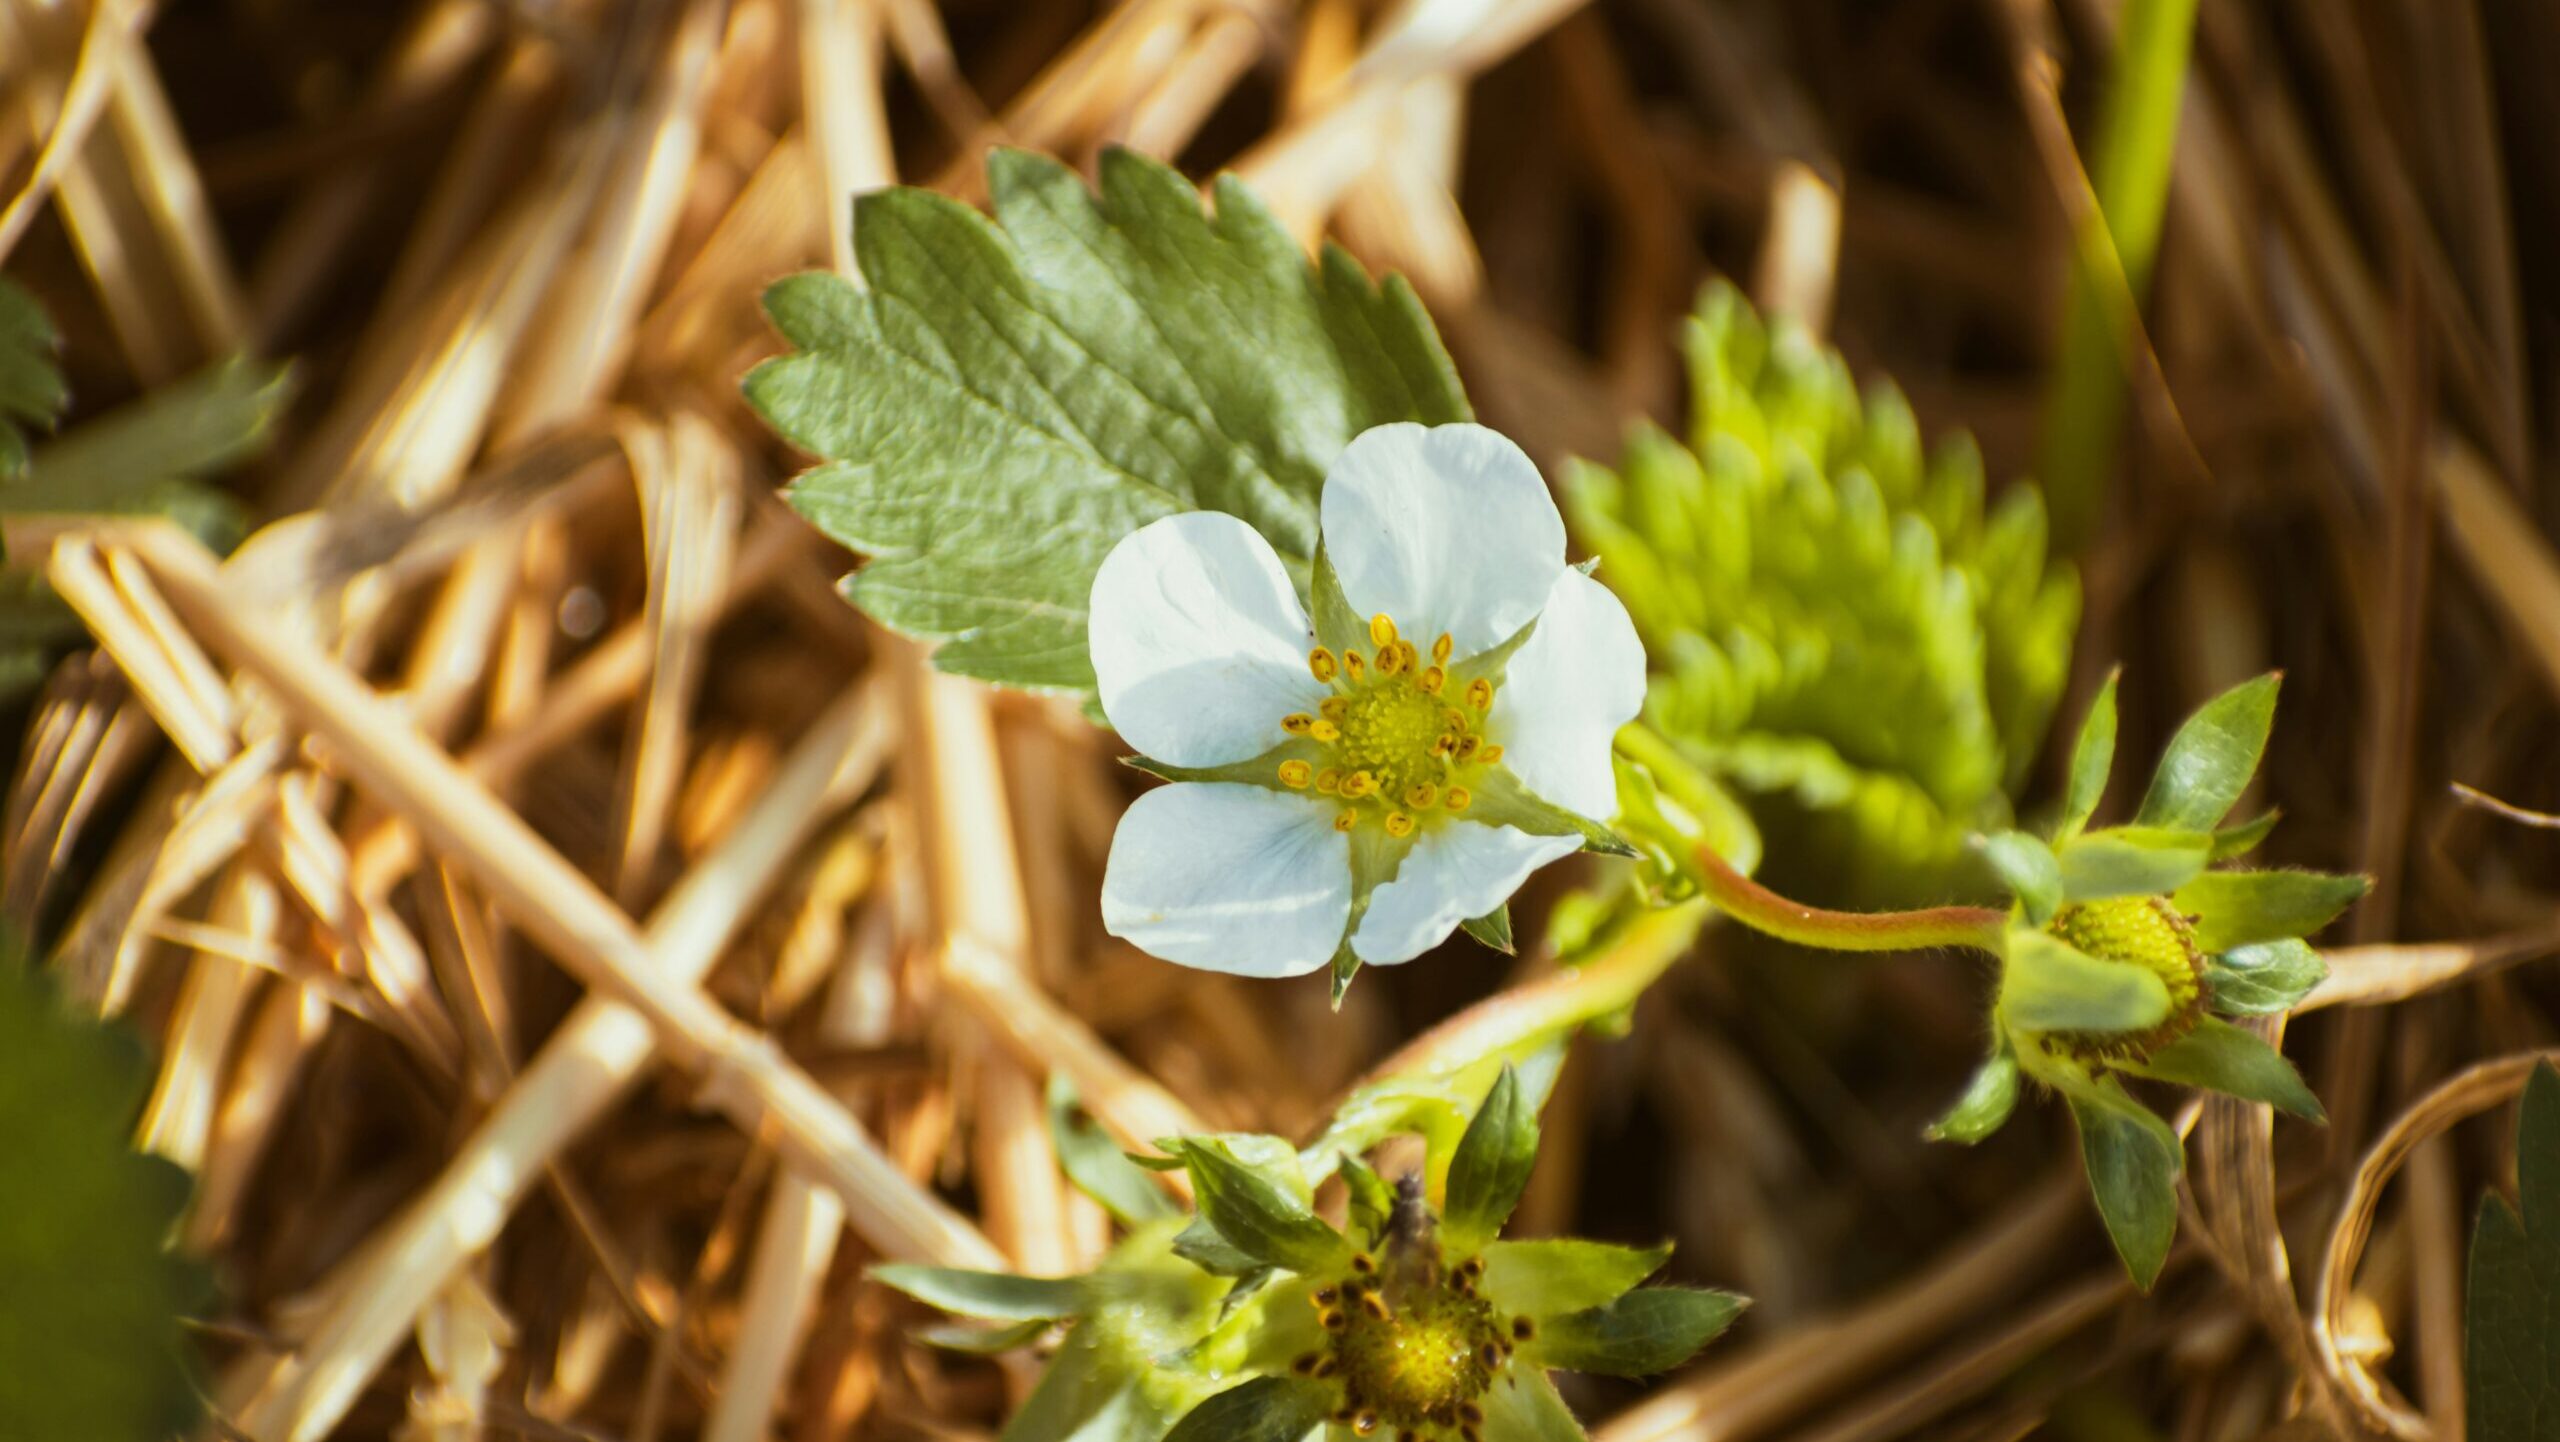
(2030, 871)
(2239, 908)
(2210, 760)
(1524, 1407)
(1551, 1276)
(2093, 757)
(2235, 1061)
(1095, 1163)
(1650, 1330)
(2133, 1160)
(2048, 986)
(1010, 398)
(2511, 1333)
(2130, 861)
(150, 454)
(1257, 1199)
(2264, 979)
(31, 388)
(1490, 1168)
(90, 1297)
(1264, 1409)
(998, 1296)
(1987, 1101)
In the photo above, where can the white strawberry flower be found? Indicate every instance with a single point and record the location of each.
(1350, 788)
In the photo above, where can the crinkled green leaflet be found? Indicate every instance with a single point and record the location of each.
(1258, 1320)
(2126, 950)
(1501, 799)
(1841, 629)
(1001, 402)
(32, 392)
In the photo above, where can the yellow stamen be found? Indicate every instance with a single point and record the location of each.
(1453, 719)
(1321, 662)
(1353, 666)
(1480, 694)
(1460, 798)
(1295, 774)
(1382, 631)
(1399, 825)
(1325, 731)
(1444, 746)
(1345, 820)
(1412, 657)
(1441, 648)
(1298, 723)
(1333, 707)
(1390, 658)
(1489, 755)
(1329, 780)
(1469, 746)
(1432, 679)
(1358, 784)
(1420, 795)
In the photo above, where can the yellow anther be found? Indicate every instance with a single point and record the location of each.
(1333, 707)
(1298, 723)
(1329, 780)
(1460, 798)
(1390, 658)
(1480, 694)
(1453, 719)
(1354, 667)
(1345, 820)
(1321, 662)
(1469, 746)
(1399, 825)
(1441, 648)
(1295, 774)
(1489, 755)
(1325, 731)
(1382, 631)
(1421, 795)
(1412, 657)
(1432, 679)
(1443, 746)
(1358, 784)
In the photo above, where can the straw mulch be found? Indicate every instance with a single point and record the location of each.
(577, 943)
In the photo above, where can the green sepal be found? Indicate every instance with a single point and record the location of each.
(2210, 760)
(1650, 1330)
(998, 1296)
(1523, 1406)
(1548, 1277)
(2240, 908)
(2264, 979)
(2235, 1061)
(1987, 1101)
(1263, 1409)
(1492, 929)
(983, 1341)
(1376, 857)
(1502, 800)
(1372, 1201)
(1251, 1190)
(2030, 871)
(1435, 1106)
(2244, 838)
(1490, 1168)
(1262, 770)
(1204, 1246)
(2092, 758)
(1096, 1164)
(1338, 628)
(2130, 861)
(2133, 1160)
(2047, 985)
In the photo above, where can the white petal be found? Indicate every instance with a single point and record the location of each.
(1455, 871)
(1229, 878)
(1570, 686)
(1444, 528)
(1199, 643)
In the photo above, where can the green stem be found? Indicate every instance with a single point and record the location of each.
(1761, 909)
(1728, 827)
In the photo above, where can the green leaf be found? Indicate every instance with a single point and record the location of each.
(2091, 761)
(2210, 760)
(2264, 979)
(1650, 1330)
(31, 388)
(1524, 1407)
(1492, 929)
(1257, 1199)
(1007, 400)
(983, 1341)
(2133, 1159)
(149, 455)
(91, 1303)
(2511, 1336)
(1986, 1102)
(2130, 861)
(2235, 1061)
(2028, 868)
(1095, 1163)
(1551, 1276)
(1491, 1165)
(1000, 1296)
(2047, 986)
(1265, 1409)
(2238, 908)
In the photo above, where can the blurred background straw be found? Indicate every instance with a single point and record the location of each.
(529, 747)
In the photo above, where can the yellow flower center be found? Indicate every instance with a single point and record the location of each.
(1413, 1352)
(1397, 744)
(2143, 931)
